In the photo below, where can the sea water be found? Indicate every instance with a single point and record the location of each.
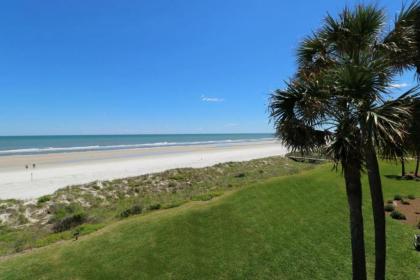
(22, 145)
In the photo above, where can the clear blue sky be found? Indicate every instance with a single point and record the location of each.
(125, 66)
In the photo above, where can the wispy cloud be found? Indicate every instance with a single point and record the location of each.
(399, 85)
(231, 124)
(211, 99)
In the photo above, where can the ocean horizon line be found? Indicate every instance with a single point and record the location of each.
(135, 134)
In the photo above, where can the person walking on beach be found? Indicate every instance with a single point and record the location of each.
(33, 167)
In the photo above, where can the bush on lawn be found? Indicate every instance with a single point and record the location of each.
(405, 202)
(389, 208)
(397, 215)
(398, 197)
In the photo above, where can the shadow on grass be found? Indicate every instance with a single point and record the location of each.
(405, 178)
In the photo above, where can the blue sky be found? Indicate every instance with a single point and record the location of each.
(125, 66)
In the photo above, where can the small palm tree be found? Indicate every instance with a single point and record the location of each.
(414, 137)
(410, 144)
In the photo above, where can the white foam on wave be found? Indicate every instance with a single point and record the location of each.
(128, 146)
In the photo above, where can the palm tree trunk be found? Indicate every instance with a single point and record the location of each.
(354, 197)
(378, 211)
(416, 172)
(402, 167)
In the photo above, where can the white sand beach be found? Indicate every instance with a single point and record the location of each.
(55, 171)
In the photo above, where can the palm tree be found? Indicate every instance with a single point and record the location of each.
(402, 160)
(406, 54)
(350, 61)
(397, 151)
(414, 137)
(301, 113)
(410, 144)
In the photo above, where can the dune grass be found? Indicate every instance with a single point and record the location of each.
(292, 227)
(51, 218)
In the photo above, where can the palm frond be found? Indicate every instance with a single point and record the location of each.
(354, 29)
(388, 124)
(338, 95)
(344, 145)
(401, 43)
(299, 137)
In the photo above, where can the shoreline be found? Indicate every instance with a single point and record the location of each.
(58, 170)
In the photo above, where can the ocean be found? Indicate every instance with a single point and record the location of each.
(24, 145)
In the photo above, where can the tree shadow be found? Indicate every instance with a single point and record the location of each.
(395, 177)
(405, 178)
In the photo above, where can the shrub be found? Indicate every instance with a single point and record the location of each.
(389, 208)
(69, 222)
(398, 197)
(418, 225)
(135, 210)
(240, 175)
(126, 213)
(397, 215)
(405, 202)
(155, 206)
(411, 196)
(44, 198)
(390, 201)
(60, 211)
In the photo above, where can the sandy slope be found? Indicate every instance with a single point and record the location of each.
(54, 171)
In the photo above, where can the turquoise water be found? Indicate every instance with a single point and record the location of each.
(15, 145)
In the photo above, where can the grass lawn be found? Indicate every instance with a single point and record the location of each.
(292, 227)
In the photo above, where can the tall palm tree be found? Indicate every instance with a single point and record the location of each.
(301, 114)
(356, 64)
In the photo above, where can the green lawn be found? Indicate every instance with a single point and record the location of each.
(292, 227)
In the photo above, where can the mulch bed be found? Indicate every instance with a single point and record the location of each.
(412, 211)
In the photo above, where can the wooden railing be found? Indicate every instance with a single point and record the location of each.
(308, 159)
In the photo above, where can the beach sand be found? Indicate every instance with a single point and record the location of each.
(55, 171)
